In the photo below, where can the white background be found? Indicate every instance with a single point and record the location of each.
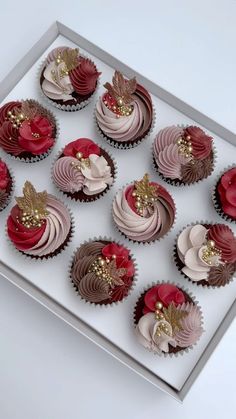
(46, 369)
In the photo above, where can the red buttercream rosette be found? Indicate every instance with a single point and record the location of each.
(82, 145)
(227, 192)
(164, 293)
(224, 240)
(4, 175)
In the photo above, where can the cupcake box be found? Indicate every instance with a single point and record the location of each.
(112, 326)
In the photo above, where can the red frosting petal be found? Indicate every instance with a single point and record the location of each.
(228, 177)
(82, 145)
(170, 293)
(231, 194)
(224, 240)
(36, 136)
(22, 237)
(229, 209)
(151, 297)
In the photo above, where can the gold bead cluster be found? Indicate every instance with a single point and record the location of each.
(142, 202)
(210, 252)
(162, 328)
(185, 146)
(99, 267)
(120, 109)
(16, 120)
(82, 162)
(34, 219)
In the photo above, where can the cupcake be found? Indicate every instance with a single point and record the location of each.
(102, 271)
(39, 225)
(28, 131)
(83, 170)
(183, 155)
(68, 79)
(224, 195)
(144, 211)
(167, 319)
(206, 254)
(124, 113)
(6, 185)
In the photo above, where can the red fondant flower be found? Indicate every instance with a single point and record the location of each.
(165, 293)
(201, 143)
(122, 257)
(82, 145)
(227, 192)
(224, 240)
(4, 175)
(35, 135)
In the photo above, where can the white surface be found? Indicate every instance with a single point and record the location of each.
(75, 385)
(92, 220)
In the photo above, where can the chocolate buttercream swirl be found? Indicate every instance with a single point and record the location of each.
(220, 275)
(81, 268)
(89, 249)
(3, 198)
(196, 170)
(94, 289)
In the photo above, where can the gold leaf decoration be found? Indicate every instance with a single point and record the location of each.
(108, 271)
(174, 317)
(145, 190)
(33, 205)
(122, 89)
(70, 58)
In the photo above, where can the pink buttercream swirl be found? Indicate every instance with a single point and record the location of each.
(66, 175)
(191, 325)
(152, 226)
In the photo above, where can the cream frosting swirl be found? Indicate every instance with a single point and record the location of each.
(54, 86)
(66, 175)
(97, 175)
(146, 331)
(140, 228)
(191, 244)
(58, 224)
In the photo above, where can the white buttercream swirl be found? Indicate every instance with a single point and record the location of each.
(139, 228)
(66, 175)
(97, 175)
(146, 333)
(54, 86)
(58, 224)
(190, 246)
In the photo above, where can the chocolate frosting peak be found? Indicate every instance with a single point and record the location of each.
(220, 275)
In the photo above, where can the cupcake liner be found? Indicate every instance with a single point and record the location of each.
(35, 159)
(123, 145)
(179, 183)
(89, 198)
(144, 243)
(202, 283)
(134, 281)
(57, 251)
(196, 303)
(215, 198)
(10, 194)
(66, 108)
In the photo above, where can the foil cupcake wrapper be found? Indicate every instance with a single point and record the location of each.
(182, 351)
(90, 197)
(66, 108)
(114, 303)
(35, 159)
(215, 200)
(144, 243)
(123, 145)
(10, 194)
(176, 259)
(176, 182)
(56, 252)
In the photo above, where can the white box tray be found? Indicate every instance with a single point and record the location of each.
(47, 281)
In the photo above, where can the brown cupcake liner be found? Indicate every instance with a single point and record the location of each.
(134, 280)
(178, 182)
(202, 283)
(216, 199)
(63, 246)
(35, 159)
(193, 299)
(11, 189)
(129, 144)
(88, 198)
(144, 243)
(67, 108)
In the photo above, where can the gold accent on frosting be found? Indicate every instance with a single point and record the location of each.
(185, 146)
(174, 317)
(26, 112)
(210, 252)
(145, 194)
(69, 57)
(33, 206)
(121, 90)
(107, 270)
